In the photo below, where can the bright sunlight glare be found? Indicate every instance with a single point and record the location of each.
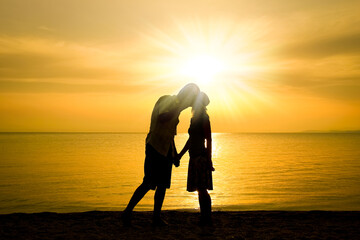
(202, 68)
(220, 57)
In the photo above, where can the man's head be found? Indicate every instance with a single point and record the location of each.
(187, 95)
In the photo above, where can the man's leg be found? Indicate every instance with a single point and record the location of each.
(145, 185)
(158, 202)
(164, 178)
(137, 196)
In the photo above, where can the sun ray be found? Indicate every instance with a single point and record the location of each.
(218, 56)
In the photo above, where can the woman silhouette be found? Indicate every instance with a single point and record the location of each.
(200, 164)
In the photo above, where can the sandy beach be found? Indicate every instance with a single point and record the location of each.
(183, 225)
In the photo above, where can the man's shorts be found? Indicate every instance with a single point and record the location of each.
(157, 168)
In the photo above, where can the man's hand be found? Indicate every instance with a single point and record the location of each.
(177, 160)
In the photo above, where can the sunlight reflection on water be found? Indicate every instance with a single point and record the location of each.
(80, 172)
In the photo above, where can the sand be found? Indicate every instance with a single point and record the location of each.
(183, 225)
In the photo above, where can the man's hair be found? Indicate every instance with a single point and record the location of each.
(190, 90)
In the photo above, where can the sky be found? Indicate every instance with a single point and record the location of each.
(100, 66)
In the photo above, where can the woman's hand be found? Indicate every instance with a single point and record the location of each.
(210, 165)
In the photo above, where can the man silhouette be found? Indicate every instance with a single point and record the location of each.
(161, 151)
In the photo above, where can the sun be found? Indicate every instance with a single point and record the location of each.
(202, 68)
(220, 56)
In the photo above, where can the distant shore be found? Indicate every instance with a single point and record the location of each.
(183, 225)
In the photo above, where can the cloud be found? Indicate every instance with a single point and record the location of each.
(325, 66)
(40, 65)
(57, 87)
(52, 65)
(321, 84)
(340, 91)
(325, 47)
(45, 28)
(44, 58)
(29, 64)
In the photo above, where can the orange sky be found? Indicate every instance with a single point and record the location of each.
(267, 66)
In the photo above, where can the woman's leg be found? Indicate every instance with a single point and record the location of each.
(205, 205)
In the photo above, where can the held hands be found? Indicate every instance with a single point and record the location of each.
(177, 160)
(178, 157)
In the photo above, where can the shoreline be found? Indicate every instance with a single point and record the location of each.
(183, 225)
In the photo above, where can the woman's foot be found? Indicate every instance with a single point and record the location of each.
(205, 222)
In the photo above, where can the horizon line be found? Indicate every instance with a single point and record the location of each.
(140, 132)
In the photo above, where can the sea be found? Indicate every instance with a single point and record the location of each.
(76, 172)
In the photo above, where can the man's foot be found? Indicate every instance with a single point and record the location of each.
(159, 222)
(126, 218)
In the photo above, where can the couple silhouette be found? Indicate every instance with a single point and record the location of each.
(161, 153)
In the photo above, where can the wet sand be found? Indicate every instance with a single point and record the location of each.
(183, 225)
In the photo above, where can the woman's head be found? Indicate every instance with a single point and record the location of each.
(200, 103)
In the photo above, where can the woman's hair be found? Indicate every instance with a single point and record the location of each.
(199, 106)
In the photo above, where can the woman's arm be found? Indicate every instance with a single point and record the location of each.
(207, 131)
(184, 150)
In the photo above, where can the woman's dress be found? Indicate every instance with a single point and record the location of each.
(199, 171)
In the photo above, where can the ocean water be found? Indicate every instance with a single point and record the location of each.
(72, 172)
